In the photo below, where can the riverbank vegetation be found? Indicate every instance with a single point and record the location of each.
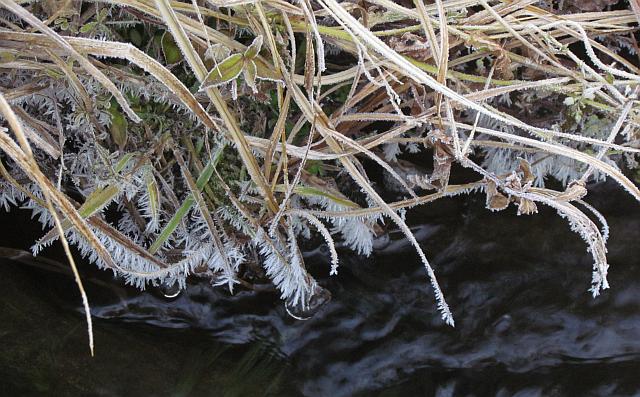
(168, 139)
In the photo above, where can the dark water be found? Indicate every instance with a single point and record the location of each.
(525, 323)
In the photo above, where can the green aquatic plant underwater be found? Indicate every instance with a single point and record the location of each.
(168, 139)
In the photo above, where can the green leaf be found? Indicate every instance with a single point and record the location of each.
(227, 70)
(173, 223)
(609, 77)
(315, 167)
(97, 200)
(153, 193)
(119, 127)
(249, 73)
(102, 15)
(254, 49)
(266, 73)
(135, 37)
(123, 162)
(88, 27)
(170, 50)
(6, 56)
(54, 74)
(312, 191)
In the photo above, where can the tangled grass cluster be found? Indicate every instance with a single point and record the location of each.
(166, 139)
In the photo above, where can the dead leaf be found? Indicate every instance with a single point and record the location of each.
(525, 167)
(575, 191)
(527, 207)
(411, 45)
(496, 201)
